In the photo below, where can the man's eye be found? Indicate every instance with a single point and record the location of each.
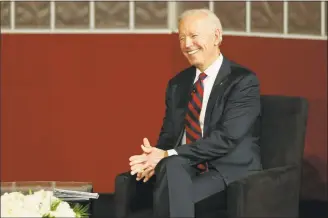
(194, 36)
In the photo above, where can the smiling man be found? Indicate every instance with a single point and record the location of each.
(208, 138)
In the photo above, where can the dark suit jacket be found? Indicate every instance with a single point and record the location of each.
(230, 139)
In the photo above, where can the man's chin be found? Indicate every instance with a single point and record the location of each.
(194, 62)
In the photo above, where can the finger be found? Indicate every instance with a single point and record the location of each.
(150, 174)
(138, 161)
(133, 172)
(144, 173)
(146, 142)
(139, 167)
(145, 149)
(135, 169)
(147, 171)
(136, 157)
(139, 176)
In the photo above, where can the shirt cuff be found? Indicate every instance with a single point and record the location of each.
(171, 152)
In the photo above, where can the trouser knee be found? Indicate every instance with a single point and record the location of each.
(169, 162)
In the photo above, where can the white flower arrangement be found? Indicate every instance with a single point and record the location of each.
(38, 204)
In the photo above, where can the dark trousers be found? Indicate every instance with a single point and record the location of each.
(177, 187)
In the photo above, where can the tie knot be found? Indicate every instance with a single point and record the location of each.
(202, 76)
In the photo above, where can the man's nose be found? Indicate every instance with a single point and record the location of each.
(188, 42)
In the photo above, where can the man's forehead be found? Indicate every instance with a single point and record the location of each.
(192, 25)
(195, 15)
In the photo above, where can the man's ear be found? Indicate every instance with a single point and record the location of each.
(218, 37)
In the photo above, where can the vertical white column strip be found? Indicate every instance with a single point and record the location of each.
(285, 17)
(172, 16)
(12, 15)
(131, 15)
(323, 20)
(92, 14)
(52, 15)
(248, 16)
(211, 5)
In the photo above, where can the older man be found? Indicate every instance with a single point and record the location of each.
(208, 137)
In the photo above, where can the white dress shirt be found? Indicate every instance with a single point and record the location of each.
(211, 72)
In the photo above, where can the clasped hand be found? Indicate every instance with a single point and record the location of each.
(144, 165)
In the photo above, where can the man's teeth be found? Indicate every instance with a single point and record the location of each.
(193, 51)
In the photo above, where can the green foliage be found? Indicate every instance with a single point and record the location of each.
(47, 216)
(54, 205)
(80, 210)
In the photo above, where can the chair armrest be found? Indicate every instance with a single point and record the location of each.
(130, 195)
(268, 193)
(123, 194)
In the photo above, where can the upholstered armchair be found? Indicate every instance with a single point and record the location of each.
(273, 192)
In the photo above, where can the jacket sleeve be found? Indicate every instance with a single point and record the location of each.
(240, 113)
(166, 136)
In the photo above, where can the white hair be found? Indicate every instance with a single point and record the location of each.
(211, 16)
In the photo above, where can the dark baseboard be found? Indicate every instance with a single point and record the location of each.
(104, 207)
(313, 209)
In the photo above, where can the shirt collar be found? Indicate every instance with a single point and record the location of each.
(213, 69)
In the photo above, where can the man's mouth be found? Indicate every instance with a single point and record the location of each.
(192, 51)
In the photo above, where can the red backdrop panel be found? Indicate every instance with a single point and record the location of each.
(75, 107)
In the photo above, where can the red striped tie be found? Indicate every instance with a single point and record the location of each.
(192, 124)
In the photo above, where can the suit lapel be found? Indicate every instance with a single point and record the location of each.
(217, 90)
(185, 88)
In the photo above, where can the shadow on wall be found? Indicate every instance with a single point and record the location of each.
(313, 186)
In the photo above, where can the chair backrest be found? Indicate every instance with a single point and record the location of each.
(282, 131)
